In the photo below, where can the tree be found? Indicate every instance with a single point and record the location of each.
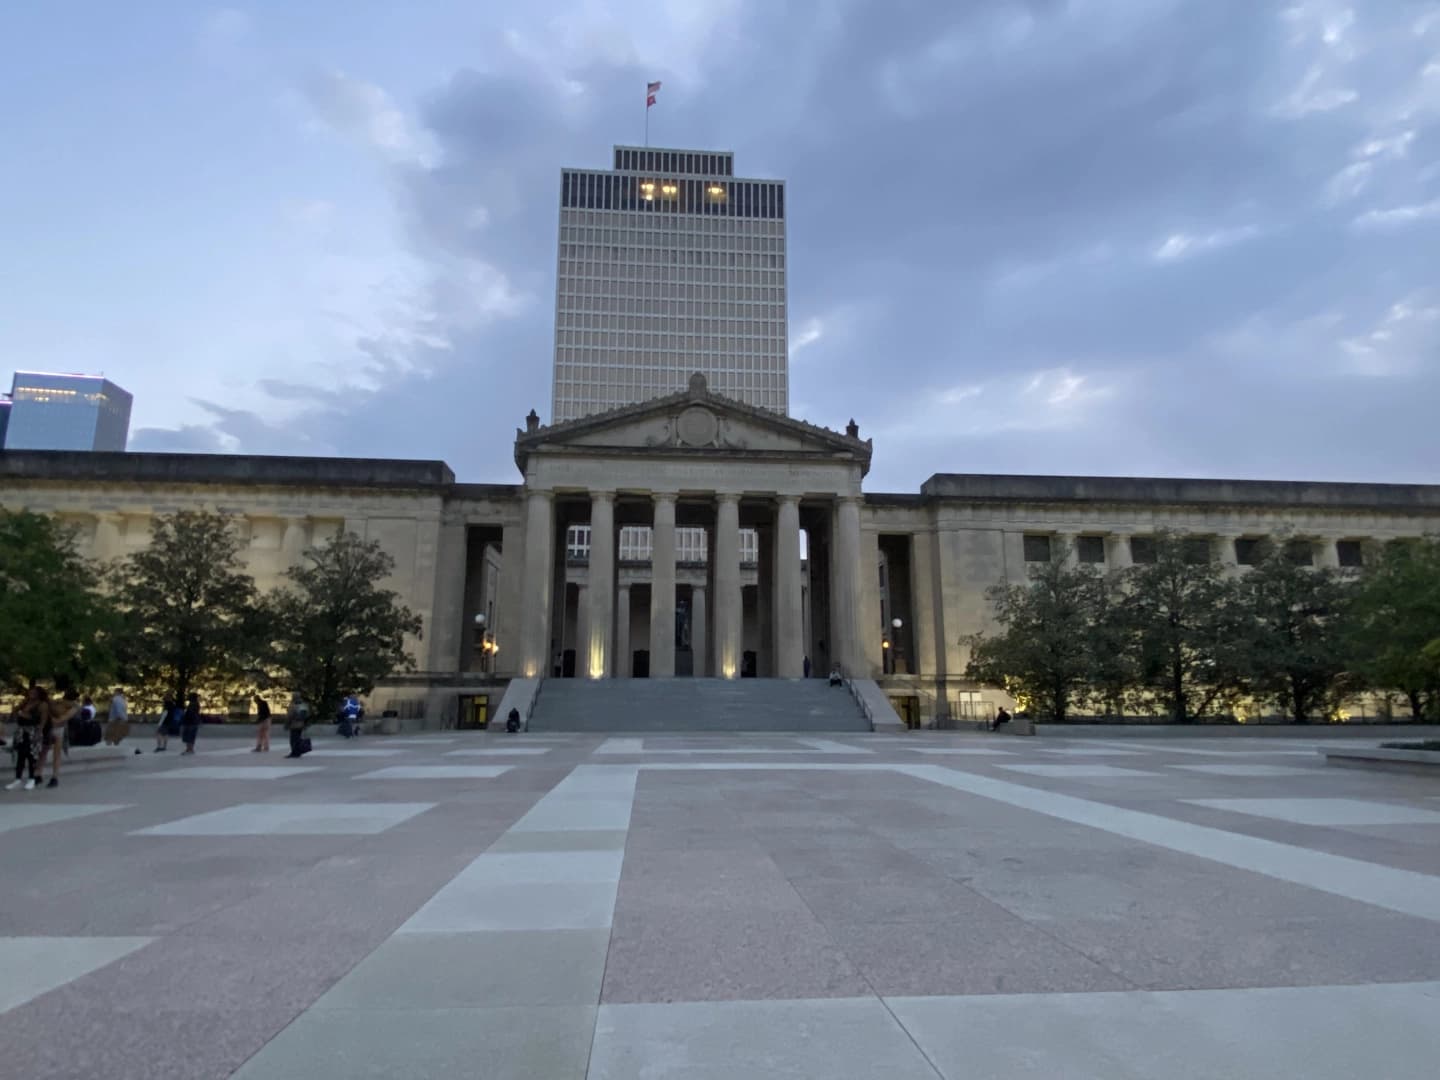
(55, 624)
(1179, 609)
(1394, 616)
(1045, 654)
(1292, 624)
(189, 607)
(333, 630)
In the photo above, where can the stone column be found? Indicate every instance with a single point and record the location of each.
(1117, 551)
(1326, 554)
(107, 535)
(662, 587)
(728, 601)
(699, 633)
(538, 579)
(845, 604)
(598, 651)
(624, 665)
(510, 603)
(584, 615)
(1065, 542)
(766, 660)
(294, 541)
(789, 620)
(1225, 549)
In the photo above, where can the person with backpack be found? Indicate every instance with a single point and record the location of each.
(30, 718)
(349, 716)
(84, 728)
(118, 722)
(190, 723)
(297, 717)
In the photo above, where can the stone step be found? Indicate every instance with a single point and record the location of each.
(679, 705)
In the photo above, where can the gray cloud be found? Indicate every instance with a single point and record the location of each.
(1058, 236)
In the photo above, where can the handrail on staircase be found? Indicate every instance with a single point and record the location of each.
(530, 705)
(860, 700)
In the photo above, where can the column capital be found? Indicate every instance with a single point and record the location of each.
(727, 496)
(602, 495)
(539, 493)
(699, 587)
(785, 499)
(663, 496)
(844, 499)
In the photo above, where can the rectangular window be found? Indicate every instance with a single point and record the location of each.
(1090, 549)
(1351, 553)
(1249, 551)
(1300, 552)
(1037, 548)
(1195, 550)
(1142, 550)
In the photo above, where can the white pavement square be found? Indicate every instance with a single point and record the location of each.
(1325, 811)
(1086, 751)
(291, 819)
(501, 751)
(15, 815)
(972, 751)
(1245, 770)
(436, 772)
(1077, 772)
(838, 1039)
(231, 772)
(1244, 1034)
(31, 966)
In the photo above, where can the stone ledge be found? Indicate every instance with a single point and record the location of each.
(1425, 762)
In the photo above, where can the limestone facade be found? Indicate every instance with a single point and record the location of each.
(887, 586)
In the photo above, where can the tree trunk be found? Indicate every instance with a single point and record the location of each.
(1177, 692)
(1417, 705)
(1298, 703)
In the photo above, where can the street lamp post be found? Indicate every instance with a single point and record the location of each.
(480, 621)
(895, 625)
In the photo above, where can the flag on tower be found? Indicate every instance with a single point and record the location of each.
(651, 90)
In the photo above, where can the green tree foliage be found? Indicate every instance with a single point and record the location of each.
(1394, 617)
(333, 629)
(189, 608)
(55, 623)
(1179, 608)
(1045, 656)
(1291, 618)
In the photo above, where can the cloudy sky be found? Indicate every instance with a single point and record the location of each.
(1154, 237)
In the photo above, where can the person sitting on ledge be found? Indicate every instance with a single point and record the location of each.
(1001, 717)
(836, 679)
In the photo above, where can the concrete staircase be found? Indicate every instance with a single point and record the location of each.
(684, 705)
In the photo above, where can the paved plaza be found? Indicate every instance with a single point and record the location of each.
(848, 908)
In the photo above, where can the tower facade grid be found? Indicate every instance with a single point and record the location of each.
(667, 265)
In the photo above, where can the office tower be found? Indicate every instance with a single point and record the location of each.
(67, 412)
(669, 264)
(4, 418)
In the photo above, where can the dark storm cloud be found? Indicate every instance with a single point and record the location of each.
(1158, 237)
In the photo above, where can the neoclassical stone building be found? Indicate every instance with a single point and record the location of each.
(694, 535)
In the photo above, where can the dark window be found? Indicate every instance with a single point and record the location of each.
(1037, 548)
(1300, 552)
(1195, 550)
(1142, 550)
(1249, 551)
(780, 201)
(1090, 549)
(1350, 552)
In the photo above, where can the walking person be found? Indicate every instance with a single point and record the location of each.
(262, 725)
(296, 718)
(190, 724)
(52, 734)
(169, 724)
(30, 718)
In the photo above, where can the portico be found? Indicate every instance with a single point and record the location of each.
(721, 472)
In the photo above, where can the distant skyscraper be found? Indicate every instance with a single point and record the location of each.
(67, 412)
(668, 265)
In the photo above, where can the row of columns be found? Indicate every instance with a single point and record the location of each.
(1117, 549)
(605, 614)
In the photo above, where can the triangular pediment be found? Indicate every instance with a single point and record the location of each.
(694, 422)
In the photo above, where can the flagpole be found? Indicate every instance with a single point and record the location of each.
(647, 121)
